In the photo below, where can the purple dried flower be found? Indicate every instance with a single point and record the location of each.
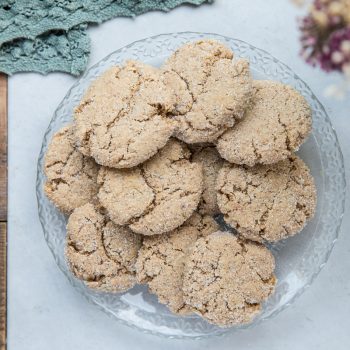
(324, 35)
(334, 57)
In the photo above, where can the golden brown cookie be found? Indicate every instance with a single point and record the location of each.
(267, 202)
(71, 177)
(160, 263)
(156, 197)
(226, 279)
(100, 253)
(212, 91)
(211, 161)
(122, 119)
(274, 127)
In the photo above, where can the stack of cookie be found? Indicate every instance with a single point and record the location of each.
(155, 156)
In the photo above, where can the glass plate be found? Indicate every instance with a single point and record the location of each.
(298, 259)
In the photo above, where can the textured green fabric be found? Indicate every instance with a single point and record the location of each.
(57, 51)
(45, 35)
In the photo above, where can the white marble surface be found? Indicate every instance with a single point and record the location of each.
(44, 312)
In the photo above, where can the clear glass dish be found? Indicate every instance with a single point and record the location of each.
(298, 259)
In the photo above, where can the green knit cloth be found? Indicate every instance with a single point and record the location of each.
(50, 35)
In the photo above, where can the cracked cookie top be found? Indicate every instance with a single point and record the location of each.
(160, 262)
(124, 193)
(211, 161)
(226, 279)
(212, 91)
(71, 177)
(267, 202)
(273, 128)
(122, 119)
(99, 252)
(157, 196)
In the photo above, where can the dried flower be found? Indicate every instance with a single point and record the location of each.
(325, 34)
(325, 39)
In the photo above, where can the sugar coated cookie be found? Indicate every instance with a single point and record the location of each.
(267, 202)
(274, 127)
(226, 279)
(156, 197)
(124, 193)
(122, 119)
(160, 263)
(99, 252)
(71, 177)
(211, 161)
(212, 91)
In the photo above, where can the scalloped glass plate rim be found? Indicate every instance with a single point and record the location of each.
(192, 36)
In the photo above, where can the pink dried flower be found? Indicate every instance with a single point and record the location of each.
(325, 34)
(334, 58)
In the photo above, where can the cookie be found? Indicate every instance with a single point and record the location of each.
(100, 253)
(71, 177)
(274, 127)
(160, 263)
(156, 197)
(226, 279)
(211, 89)
(211, 161)
(124, 193)
(267, 202)
(122, 119)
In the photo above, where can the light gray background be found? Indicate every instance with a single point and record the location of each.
(44, 312)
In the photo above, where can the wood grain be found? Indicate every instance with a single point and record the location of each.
(3, 212)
